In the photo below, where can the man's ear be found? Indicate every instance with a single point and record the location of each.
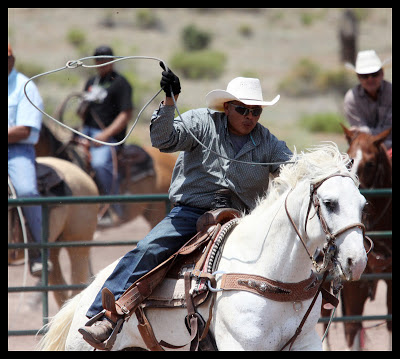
(226, 105)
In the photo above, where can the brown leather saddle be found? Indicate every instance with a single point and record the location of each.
(134, 163)
(50, 182)
(180, 281)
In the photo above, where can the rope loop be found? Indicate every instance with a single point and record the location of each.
(73, 64)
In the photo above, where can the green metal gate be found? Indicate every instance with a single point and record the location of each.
(46, 203)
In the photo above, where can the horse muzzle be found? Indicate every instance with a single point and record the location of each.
(349, 269)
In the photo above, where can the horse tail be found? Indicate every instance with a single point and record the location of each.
(58, 327)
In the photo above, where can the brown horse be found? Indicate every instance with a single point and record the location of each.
(374, 169)
(67, 223)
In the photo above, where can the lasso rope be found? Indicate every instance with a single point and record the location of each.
(73, 64)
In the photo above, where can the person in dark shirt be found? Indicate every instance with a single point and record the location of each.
(106, 110)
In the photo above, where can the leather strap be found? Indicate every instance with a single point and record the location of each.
(146, 331)
(300, 327)
(268, 288)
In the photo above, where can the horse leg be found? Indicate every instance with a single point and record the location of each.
(80, 267)
(56, 277)
(354, 295)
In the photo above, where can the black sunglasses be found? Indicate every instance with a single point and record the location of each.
(365, 76)
(244, 111)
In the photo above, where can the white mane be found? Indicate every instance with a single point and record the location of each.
(316, 164)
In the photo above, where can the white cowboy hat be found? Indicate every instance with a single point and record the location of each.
(367, 62)
(243, 89)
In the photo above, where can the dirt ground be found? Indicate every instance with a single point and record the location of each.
(26, 312)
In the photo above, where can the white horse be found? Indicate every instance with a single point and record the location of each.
(264, 243)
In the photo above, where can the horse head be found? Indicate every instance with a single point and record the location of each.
(369, 155)
(339, 206)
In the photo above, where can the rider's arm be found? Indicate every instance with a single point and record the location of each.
(18, 133)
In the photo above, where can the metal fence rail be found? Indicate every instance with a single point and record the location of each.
(48, 202)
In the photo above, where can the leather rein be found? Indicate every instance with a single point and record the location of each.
(329, 250)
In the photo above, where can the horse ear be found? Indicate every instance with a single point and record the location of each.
(380, 137)
(350, 134)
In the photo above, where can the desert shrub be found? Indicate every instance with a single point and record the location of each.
(199, 64)
(147, 19)
(195, 39)
(322, 122)
(76, 37)
(308, 78)
(301, 80)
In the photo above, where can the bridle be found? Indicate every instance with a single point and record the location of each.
(330, 247)
(329, 251)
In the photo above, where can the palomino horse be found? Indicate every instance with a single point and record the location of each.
(156, 181)
(70, 223)
(374, 170)
(263, 243)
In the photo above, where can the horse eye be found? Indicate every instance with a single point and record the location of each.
(369, 165)
(330, 205)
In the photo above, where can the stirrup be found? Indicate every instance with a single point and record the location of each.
(109, 342)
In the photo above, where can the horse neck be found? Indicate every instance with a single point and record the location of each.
(265, 243)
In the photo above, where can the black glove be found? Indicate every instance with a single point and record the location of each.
(169, 79)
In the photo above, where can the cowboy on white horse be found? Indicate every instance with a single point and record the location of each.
(201, 180)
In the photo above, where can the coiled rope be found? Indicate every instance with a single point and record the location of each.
(73, 64)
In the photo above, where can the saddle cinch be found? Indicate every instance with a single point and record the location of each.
(180, 281)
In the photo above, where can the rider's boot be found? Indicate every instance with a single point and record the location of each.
(100, 332)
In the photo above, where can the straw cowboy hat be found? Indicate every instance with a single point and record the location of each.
(367, 62)
(243, 89)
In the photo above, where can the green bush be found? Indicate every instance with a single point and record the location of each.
(322, 122)
(308, 78)
(339, 80)
(195, 39)
(301, 80)
(146, 19)
(76, 37)
(199, 64)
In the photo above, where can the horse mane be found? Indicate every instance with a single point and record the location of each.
(317, 163)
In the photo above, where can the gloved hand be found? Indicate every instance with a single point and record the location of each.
(169, 79)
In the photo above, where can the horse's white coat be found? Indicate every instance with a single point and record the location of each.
(263, 243)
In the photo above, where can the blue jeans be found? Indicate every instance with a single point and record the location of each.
(161, 242)
(22, 172)
(102, 164)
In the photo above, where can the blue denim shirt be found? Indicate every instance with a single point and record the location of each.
(20, 110)
(198, 173)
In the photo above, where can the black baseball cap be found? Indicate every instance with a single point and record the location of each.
(103, 50)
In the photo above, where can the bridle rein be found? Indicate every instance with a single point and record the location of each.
(330, 247)
(262, 286)
(329, 250)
